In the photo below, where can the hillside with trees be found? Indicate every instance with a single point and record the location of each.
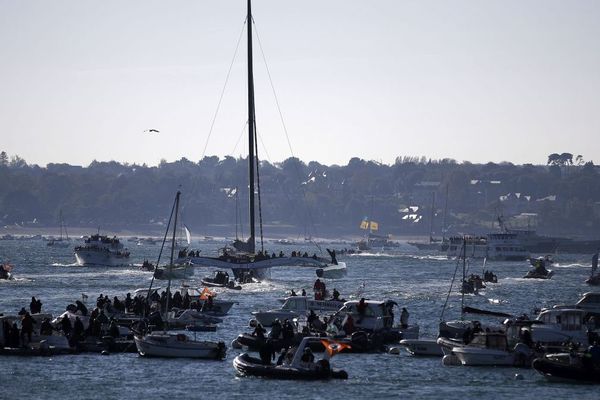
(560, 198)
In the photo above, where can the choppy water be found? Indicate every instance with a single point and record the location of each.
(416, 280)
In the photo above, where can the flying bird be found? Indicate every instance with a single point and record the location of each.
(151, 131)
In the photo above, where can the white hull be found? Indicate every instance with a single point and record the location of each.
(422, 347)
(333, 271)
(266, 318)
(178, 346)
(483, 357)
(91, 258)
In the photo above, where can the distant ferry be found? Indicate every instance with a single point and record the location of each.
(102, 251)
(494, 246)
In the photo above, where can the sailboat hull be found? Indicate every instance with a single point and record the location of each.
(178, 346)
(260, 268)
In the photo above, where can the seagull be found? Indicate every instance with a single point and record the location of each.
(151, 131)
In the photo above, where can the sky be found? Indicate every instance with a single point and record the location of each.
(510, 80)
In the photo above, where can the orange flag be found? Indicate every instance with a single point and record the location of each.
(205, 293)
(333, 347)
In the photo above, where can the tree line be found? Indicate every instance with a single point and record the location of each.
(311, 198)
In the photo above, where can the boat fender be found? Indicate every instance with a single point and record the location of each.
(450, 359)
(394, 350)
(253, 323)
(105, 353)
(235, 344)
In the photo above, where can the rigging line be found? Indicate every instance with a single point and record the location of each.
(450, 290)
(273, 90)
(263, 146)
(223, 90)
(240, 137)
(309, 214)
(160, 253)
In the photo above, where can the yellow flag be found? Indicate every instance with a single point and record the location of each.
(374, 226)
(364, 224)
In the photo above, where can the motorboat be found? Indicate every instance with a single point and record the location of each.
(178, 271)
(536, 274)
(491, 349)
(162, 344)
(217, 308)
(540, 271)
(103, 251)
(552, 327)
(594, 280)
(294, 307)
(333, 271)
(6, 271)
(371, 316)
(566, 367)
(422, 347)
(590, 302)
(177, 318)
(292, 367)
(220, 279)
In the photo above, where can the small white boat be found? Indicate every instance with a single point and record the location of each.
(491, 349)
(183, 271)
(422, 347)
(182, 318)
(161, 344)
(333, 271)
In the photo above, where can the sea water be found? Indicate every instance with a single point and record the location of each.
(417, 280)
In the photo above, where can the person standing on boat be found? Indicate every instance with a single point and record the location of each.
(26, 328)
(404, 318)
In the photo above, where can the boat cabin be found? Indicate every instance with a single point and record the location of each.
(486, 340)
(565, 318)
(590, 302)
(305, 303)
(376, 316)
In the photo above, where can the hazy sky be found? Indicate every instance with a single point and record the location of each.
(471, 80)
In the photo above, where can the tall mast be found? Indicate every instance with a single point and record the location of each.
(172, 249)
(432, 216)
(444, 218)
(251, 128)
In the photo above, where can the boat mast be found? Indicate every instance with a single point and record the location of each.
(251, 128)
(172, 250)
(444, 218)
(464, 277)
(432, 215)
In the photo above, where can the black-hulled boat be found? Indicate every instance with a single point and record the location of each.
(220, 279)
(294, 369)
(564, 368)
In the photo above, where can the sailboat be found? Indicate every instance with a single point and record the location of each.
(164, 344)
(594, 280)
(60, 242)
(433, 244)
(246, 263)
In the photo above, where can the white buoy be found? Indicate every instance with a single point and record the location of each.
(450, 359)
(394, 350)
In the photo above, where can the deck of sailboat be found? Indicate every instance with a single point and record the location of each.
(242, 263)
